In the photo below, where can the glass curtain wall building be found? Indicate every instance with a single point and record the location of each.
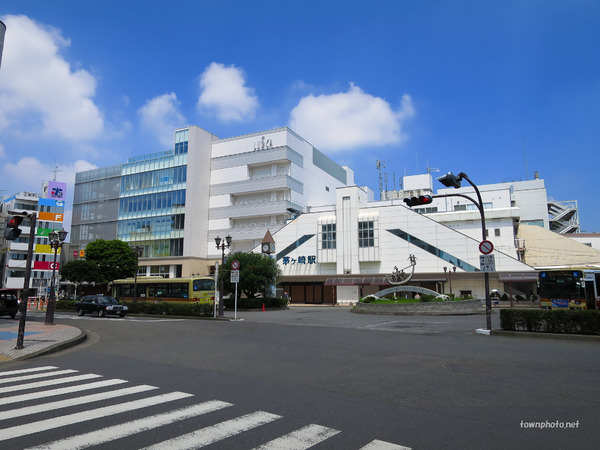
(174, 203)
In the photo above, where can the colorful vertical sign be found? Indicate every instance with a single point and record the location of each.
(57, 190)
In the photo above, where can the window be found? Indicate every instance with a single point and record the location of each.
(366, 234)
(328, 236)
(497, 232)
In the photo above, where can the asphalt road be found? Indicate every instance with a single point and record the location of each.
(418, 382)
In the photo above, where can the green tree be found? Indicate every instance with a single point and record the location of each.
(81, 271)
(114, 259)
(258, 272)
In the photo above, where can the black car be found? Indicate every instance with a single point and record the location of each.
(101, 305)
(9, 302)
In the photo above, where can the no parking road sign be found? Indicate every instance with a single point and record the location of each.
(486, 247)
(235, 265)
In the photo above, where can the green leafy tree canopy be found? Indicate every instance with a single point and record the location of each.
(258, 272)
(114, 259)
(81, 271)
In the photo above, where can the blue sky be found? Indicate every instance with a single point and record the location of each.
(497, 90)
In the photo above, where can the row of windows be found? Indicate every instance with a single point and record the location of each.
(152, 202)
(155, 225)
(163, 177)
(181, 147)
(366, 235)
(161, 248)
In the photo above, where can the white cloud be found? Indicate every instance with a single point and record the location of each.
(350, 120)
(160, 116)
(39, 91)
(29, 172)
(224, 92)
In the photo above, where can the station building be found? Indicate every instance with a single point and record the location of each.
(334, 243)
(343, 252)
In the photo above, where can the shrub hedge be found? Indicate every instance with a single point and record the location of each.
(551, 321)
(185, 309)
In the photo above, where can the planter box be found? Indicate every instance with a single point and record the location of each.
(449, 308)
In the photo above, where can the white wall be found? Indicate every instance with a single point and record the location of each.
(196, 209)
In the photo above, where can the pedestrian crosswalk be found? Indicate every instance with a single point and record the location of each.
(38, 402)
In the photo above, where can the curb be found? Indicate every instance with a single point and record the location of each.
(62, 345)
(554, 336)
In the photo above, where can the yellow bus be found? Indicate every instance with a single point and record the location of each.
(159, 289)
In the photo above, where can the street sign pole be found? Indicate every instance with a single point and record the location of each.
(235, 278)
(217, 299)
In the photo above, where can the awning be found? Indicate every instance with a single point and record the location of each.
(516, 277)
(356, 281)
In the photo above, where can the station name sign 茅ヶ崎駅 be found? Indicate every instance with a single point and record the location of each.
(310, 259)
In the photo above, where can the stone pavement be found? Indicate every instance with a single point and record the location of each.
(39, 339)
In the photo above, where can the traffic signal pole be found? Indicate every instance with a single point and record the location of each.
(451, 180)
(25, 291)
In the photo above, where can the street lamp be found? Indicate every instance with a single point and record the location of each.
(56, 241)
(450, 275)
(451, 180)
(222, 246)
(137, 251)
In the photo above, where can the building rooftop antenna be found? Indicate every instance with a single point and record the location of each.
(431, 169)
(379, 164)
(55, 170)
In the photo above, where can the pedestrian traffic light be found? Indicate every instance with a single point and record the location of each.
(12, 231)
(420, 200)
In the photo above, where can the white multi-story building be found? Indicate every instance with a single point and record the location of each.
(175, 203)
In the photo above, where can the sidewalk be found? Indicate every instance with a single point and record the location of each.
(39, 339)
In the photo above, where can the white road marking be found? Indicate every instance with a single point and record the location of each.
(381, 445)
(36, 376)
(20, 371)
(84, 416)
(25, 411)
(300, 439)
(39, 384)
(60, 391)
(136, 426)
(215, 433)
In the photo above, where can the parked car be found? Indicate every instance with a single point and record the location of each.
(9, 302)
(101, 305)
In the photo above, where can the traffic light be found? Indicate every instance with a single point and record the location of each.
(420, 200)
(12, 231)
(450, 180)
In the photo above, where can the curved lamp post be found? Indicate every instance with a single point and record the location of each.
(222, 244)
(56, 241)
(451, 180)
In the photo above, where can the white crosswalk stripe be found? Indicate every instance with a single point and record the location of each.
(223, 430)
(45, 383)
(303, 438)
(47, 386)
(35, 376)
(73, 402)
(60, 391)
(21, 371)
(98, 437)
